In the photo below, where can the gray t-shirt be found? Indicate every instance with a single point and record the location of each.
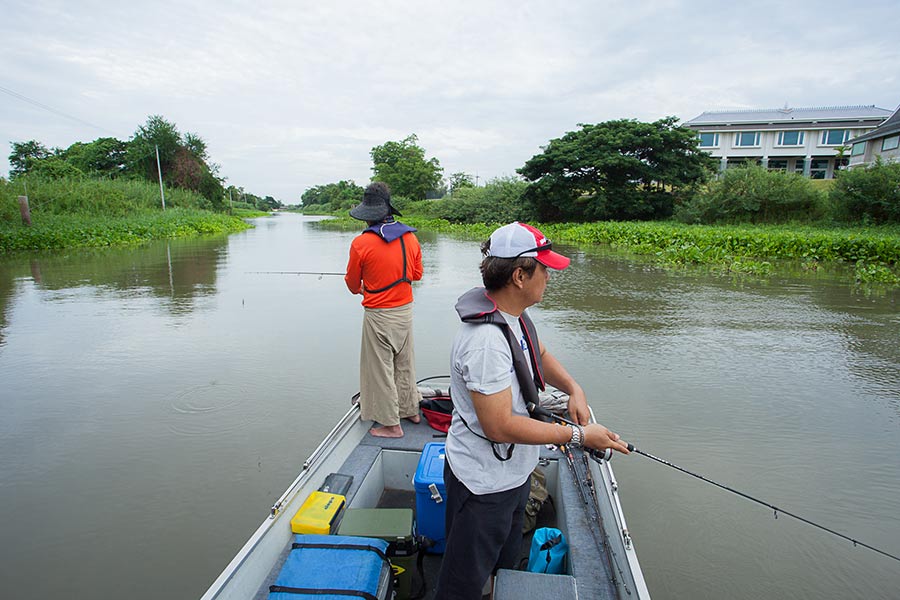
(481, 361)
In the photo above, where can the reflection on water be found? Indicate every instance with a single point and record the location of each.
(148, 269)
(156, 400)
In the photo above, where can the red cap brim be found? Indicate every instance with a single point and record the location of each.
(551, 259)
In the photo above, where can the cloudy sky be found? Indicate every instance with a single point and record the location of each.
(293, 94)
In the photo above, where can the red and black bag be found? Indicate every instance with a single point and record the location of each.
(437, 408)
(438, 412)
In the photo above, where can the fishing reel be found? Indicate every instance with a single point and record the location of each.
(542, 414)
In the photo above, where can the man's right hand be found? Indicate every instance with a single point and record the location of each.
(600, 438)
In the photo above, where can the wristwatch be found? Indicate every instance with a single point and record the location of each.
(577, 440)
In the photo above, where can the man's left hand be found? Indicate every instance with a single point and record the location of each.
(578, 407)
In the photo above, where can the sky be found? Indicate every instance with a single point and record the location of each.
(289, 95)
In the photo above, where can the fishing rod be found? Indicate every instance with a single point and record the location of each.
(543, 413)
(319, 273)
(598, 531)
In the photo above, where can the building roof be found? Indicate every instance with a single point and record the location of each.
(891, 126)
(788, 115)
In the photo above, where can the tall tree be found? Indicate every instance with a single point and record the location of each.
(155, 133)
(24, 154)
(623, 169)
(403, 166)
(459, 181)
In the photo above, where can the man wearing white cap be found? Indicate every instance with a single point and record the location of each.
(497, 367)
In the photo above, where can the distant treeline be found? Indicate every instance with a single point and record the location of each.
(625, 170)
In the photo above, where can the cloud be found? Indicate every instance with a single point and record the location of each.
(292, 94)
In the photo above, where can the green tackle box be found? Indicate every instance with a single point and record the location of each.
(393, 525)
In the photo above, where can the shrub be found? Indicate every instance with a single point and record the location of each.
(108, 197)
(870, 194)
(499, 201)
(753, 194)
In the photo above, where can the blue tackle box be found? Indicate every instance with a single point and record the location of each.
(334, 567)
(430, 495)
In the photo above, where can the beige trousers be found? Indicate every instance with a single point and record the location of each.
(387, 378)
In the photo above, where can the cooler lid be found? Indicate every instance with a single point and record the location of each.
(431, 464)
(386, 523)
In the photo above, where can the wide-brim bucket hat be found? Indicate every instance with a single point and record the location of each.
(376, 204)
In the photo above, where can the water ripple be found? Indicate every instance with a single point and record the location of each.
(213, 409)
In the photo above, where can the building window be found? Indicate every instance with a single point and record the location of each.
(818, 167)
(858, 149)
(709, 140)
(778, 164)
(798, 165)
(890, 143)
(746, 139)
(835, 137)
(790, 138)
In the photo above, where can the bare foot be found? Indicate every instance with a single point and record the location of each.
(413, 419)
(387, 431)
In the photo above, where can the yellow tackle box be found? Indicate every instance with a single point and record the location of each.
(320, 513)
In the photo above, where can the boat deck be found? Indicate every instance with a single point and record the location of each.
(592, 570)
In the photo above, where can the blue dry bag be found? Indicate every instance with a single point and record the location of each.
(548, 551)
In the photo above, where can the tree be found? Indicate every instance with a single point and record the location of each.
(622, 169)
(141, 155)
(104, 156)
(24, 154)
(333, 196)
(459, 181)
(402, 165)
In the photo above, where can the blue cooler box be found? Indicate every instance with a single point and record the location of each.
(430, 495)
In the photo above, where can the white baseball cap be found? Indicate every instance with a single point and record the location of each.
(518, 239)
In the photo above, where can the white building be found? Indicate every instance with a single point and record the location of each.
(883, 141)
(812, 141)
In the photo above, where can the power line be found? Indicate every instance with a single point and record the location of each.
(34, 102)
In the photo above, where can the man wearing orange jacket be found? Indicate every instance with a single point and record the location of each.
(384, 261)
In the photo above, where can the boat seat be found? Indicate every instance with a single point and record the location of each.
(514, 585)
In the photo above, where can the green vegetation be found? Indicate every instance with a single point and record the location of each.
(403, 166)
(69, 213)
(330, 197)
(753, 194)
(52, 231)
(617, 170)
(498, 200)
(871, 194)
(107, 192)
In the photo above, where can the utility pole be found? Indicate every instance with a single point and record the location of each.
(162, 194)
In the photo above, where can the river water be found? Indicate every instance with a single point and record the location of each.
(154, 402)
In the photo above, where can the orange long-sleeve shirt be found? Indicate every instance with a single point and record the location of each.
(375, 264)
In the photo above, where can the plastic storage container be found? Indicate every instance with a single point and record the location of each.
(320, 513)
(430, 493)
(393, 525)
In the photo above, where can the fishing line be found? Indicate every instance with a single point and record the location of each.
(543, 413)
(319, 273)
(763, 503)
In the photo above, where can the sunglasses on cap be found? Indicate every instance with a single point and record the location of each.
(547, 246)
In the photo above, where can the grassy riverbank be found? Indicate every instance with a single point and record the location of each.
(873, 252)
(54, 232)
(97, 213)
